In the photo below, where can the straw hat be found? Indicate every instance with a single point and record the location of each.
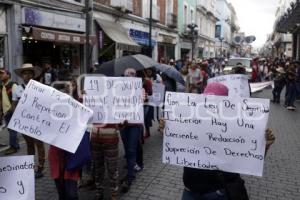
(28, 66)
(280, 70)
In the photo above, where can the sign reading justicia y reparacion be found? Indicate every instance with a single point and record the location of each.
(215, 132)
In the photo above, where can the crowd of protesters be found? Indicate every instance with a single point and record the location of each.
(104, 140)
(286, 75)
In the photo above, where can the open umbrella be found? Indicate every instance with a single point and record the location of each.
(170, 72)
(117, 66)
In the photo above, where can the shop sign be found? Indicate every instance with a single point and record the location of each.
(55, 36)
(186, 45)
(167, 39)
(53, 20)
(141, 37)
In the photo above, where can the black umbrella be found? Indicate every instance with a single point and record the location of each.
(117, 66)
(170, 72)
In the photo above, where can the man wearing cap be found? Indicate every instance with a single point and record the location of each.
(7, 88)
(28, 72)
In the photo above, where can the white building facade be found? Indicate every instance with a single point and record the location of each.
(282, 42)
(223, 28)
(206, 20)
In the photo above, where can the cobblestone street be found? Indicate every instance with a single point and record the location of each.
(281, 179)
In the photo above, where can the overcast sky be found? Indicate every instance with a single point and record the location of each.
(256, 17)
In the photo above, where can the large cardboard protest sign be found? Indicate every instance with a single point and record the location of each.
(237, 84)
(158, 94)
(114, 99)
(51, 116)
(215, 132)
(17, 178)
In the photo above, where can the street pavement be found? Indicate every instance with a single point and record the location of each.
(281, 179)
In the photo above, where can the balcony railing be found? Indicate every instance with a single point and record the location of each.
(171, 20)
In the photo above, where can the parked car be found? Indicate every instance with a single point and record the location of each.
(239, 62)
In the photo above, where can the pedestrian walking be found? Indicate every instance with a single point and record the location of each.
(28, 72)
(279, 83)
(291, 88)
(6, 109)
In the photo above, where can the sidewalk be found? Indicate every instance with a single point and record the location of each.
(4, 139)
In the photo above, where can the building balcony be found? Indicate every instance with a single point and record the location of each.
(123, 5)
(172, 20)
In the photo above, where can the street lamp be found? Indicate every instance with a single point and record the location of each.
(221, 40)
(193, 35)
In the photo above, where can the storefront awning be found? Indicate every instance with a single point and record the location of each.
(60, 37)
(118, 34)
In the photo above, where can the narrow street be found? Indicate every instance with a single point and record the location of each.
(281, 180)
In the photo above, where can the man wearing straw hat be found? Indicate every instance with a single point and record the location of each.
(28, 72)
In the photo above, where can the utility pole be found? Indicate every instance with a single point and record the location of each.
(194, 36)
(150, 29)
(221, 40)
(88, 26)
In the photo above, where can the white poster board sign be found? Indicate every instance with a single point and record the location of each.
(114, 99)
(17, 178)
(256, 87)
(215, 132)
(158, 94)
(237, 84)
(51, 116)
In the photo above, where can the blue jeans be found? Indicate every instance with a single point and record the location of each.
(13, 135)
(217, 195)
(67, 189)
(131, 136)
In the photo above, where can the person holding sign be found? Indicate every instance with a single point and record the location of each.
(131, 136)
(65, 179)
(213, 184)
(28, 72)
(105, 148)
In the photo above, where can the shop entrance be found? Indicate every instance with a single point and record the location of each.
(185, 53)
(166, 51)
(65, 58)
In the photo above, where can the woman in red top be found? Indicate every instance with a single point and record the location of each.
(65, 180)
